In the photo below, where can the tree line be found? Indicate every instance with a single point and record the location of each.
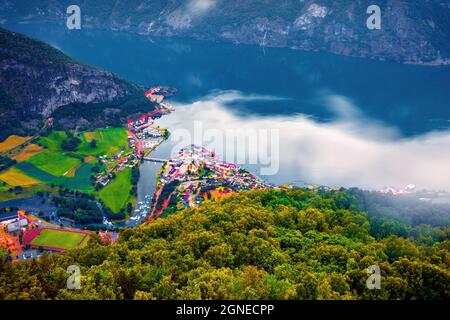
(272, 244)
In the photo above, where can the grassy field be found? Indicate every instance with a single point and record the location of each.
(14, 177)
(27, 152)
(3, 187)
(12, 142)
(58, 239)
(55, 162)
(116, 194)
(53, 140)
(109, 141)
(81, 181)
(47, 164)
(32, 171)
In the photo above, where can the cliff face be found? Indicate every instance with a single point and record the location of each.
(39, 78)
(412, 31)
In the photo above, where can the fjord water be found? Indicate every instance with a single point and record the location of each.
(341, 121)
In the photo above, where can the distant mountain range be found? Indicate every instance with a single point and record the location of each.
(36, 79)
(412, 31)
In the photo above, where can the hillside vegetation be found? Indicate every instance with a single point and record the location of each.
(295, 244)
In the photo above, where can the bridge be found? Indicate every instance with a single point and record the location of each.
(155, 159)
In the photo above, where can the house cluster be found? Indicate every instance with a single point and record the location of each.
(198, 170)
(115, 164)
(143, 135)
(157, 96)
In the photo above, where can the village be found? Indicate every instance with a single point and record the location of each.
(143, 137)
(196, 173)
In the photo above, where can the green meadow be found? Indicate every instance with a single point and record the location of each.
(55, 166)
(55, 162)
(3, 186)
(108, 141)
(116, 194)
(53, 140)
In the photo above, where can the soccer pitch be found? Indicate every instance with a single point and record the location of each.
(58, 239)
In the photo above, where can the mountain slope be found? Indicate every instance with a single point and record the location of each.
(412, 31)
(40, 78)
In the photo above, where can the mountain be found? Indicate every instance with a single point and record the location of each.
(412, 31)
(36, 79)
(264, 244)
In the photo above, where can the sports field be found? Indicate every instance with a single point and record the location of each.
(27, 152)
(15, 178)
(58, 239)
(12, 142)
(116, 194)
(108, 141)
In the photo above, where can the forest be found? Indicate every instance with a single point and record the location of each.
(265, 244)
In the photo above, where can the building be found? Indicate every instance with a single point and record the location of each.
(16, 226)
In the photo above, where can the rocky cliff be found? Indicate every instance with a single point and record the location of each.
(38, 78)
(412, 31)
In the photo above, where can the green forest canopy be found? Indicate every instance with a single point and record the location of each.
(293, 244)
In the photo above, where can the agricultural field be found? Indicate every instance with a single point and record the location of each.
(14, 177)
(116, 194)
(58, 239)
(55, 162)
(26, 153)
(71, 172)
(108, 142)
(11, 142)
(46, 163)
(32, 171)
(81, 180)
(89, 159)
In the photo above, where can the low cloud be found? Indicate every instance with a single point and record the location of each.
(349, 151)
(183, 17)
(200, 6)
